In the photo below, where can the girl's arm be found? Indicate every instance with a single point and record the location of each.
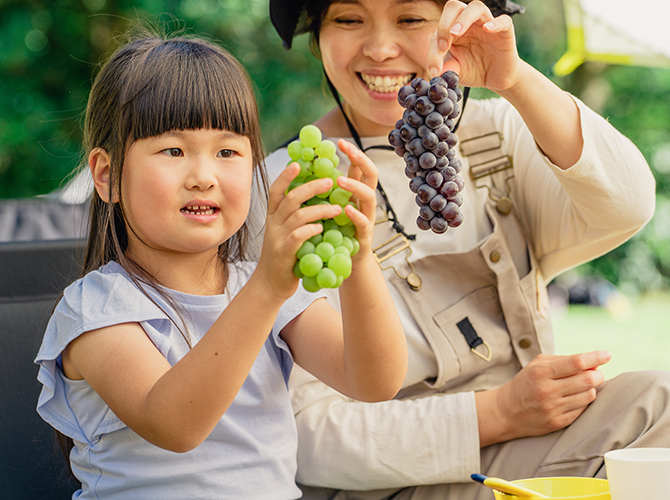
(177, 407)
(363, 355)
(482, 50)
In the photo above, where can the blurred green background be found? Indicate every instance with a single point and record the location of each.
(49, 51)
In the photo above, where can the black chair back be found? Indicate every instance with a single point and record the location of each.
(32, 277)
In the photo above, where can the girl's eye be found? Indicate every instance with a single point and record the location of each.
(345, 21)
(226, 153)
(173, 152)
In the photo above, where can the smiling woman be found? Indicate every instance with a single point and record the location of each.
(484, 392)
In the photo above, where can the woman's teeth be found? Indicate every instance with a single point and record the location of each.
(198, 210)
(385, 84)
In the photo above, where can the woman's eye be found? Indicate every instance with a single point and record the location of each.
(173, 152)
(346, 21)
(411, 21)
(226, 153)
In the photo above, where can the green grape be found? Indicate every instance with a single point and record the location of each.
(348, 244)
(310, 264)
(316, 239)
(307, 154)
(294, 184)
(325, 194)
(333, 236)
(343, 249)
(324, 250)
(296, 270)
(329, 224)
(334, 174)
(326, 149)
(305, 248)
(309, 283)
(336, 160)
(340, 280)
(305, 168)
(342, 219)
(348, 230)
(341, 264)
(339, 197)
(294, 150)
(322, 167)
(326, 278)
(357, 246)
(310, 136)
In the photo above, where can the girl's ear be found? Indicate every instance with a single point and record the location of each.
(100, 164)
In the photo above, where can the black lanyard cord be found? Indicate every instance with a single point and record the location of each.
(390, 213)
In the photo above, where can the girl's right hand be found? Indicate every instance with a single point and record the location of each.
(288, 226)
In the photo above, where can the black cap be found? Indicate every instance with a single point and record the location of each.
(289, 17)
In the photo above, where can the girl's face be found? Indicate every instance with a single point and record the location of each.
(370, 48)
(186, 191)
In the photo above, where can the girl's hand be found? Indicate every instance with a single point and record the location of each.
(288, 226)
(477, 46)
(362, 182)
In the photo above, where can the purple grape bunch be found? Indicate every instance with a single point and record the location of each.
(425, 139)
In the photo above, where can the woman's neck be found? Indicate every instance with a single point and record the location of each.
(333, 124)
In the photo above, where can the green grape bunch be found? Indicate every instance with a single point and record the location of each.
(323, 261)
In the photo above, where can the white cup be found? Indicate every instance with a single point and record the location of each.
(638, 473)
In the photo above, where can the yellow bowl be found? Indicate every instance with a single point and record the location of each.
(563, 488)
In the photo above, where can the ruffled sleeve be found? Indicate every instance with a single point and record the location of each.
(102, 298)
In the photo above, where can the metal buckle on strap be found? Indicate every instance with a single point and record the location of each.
(394, 246)
(486, 357)
(491, 164)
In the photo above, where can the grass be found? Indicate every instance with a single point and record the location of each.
(637, 333)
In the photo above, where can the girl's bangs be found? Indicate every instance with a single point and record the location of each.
(189, 86)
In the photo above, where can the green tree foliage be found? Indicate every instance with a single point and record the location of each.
(51, 49)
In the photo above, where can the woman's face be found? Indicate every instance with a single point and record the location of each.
(370, 48)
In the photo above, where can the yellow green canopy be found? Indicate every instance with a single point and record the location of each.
(616, 32)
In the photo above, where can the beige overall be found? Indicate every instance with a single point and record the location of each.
(490, 320)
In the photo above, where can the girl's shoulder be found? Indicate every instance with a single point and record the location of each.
(104, 297)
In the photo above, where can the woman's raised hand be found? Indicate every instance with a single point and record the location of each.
(477, 46)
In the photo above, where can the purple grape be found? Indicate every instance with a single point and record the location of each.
(441, 149)
(427, 160)
(457, 110)
(410, 100)
(395, 140)
(401, 151)
(426, 213)
(415, 147)
(441, 163)
(414, 119)
(438, 225)
(456, 164)
(423, 105)
(420, 86)
(434, 179)
(440, 80)
(409, 174)
(416, 183)
(426, 193)
(451, 78)
(434, 120)
(430, 140)
(448, 173)
(452, 140)
(457, 221)
(403, 93)
(460, 182)
(407, 132)
(424, 225)
(400, 123)
(445, 108)
(438, 93)
(442, 132)
(458, 199)
(449, 189)
(450, 211)
(438, 203)
(413, 164)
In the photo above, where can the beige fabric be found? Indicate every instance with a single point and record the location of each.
(428, 434)
(631, 410)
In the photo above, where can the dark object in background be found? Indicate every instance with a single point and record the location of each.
(32, 277)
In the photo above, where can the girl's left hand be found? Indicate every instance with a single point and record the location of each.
(362, 182)
(477, 46)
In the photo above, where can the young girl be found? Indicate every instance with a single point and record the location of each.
(167, 363)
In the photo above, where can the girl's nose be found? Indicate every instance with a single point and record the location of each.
(381, 44)
(201, 176)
